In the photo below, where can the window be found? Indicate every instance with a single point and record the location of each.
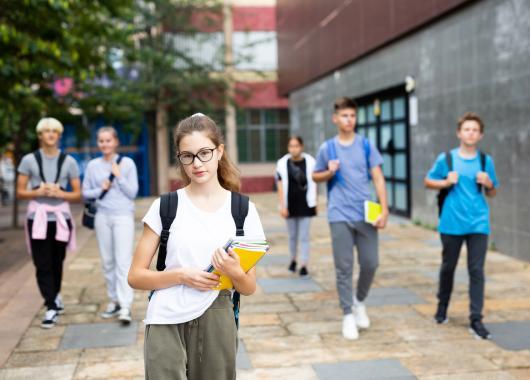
(262, 134)
(255, 117)
(255, 50)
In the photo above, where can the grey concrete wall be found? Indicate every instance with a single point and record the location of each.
(476, 59)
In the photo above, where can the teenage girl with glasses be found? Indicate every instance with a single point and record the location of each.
(191, 332)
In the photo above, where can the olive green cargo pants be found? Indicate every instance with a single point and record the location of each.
(204, 348)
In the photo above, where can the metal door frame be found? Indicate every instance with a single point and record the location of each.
(391, 94)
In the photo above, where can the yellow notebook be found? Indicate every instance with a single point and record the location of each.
(249, 255)
(372, 210)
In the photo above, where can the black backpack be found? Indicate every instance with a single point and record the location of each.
(443, 193)
(60, 162)
(168, 211)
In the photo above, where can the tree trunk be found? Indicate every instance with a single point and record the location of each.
(150, 118)
(230, 110)
(162, 145)
(14, 215)
(17, 153)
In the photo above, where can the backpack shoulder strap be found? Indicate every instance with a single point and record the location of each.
(483, 157)
(332, 155)
(38, 158)
(168, 211)
(449, 160)
(239, 211)
(111, 176)
(60, 163)
(482, 167)
(332, 151)
(367, 152)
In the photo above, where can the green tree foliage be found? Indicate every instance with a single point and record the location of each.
(44, 40)
(121, 55)
(170, 75)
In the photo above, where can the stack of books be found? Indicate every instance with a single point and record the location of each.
(250, 251)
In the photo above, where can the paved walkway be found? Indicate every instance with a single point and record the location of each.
(290, 329)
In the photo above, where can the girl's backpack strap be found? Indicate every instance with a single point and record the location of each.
(239, 214)
(168, 211)
(239, 211)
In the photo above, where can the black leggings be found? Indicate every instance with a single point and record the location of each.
(48, 257)
(477, 245)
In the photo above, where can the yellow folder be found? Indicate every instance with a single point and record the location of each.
(248, 259)
(372, 210)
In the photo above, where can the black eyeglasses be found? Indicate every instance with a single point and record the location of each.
(204, 155)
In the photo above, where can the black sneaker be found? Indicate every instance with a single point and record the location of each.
(292, 266)
(50, 319)
(441, 314)
(303, 271)
(478, 330)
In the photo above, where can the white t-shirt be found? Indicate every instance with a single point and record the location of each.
(194, 236)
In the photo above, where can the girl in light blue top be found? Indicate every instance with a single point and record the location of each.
(114, 221)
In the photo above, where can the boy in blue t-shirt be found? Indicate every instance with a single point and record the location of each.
(347, 163)
(464, 216)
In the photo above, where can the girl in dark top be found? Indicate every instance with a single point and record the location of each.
(297, 195)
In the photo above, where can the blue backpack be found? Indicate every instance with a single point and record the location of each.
(332, 155)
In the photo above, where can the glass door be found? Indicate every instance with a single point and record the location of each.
(383, 118)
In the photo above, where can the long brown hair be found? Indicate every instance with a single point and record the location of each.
(227, 173)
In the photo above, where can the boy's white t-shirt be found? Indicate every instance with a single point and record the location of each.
(194, 236)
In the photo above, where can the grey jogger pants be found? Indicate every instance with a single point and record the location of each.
(298, 227)
(344, 237)
(203, 348)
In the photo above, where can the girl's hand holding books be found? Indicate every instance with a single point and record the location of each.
(227, 263)
(199, 279)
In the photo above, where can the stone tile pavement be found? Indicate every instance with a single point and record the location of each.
(290, 329)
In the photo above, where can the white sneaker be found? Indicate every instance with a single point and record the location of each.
(113, 308)
(359, 312)
(349, 327)
(59, 304)
(125, 316)
(50, 319)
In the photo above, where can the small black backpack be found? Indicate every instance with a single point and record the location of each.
(443, 193)
(60, 162)
(168, 211)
